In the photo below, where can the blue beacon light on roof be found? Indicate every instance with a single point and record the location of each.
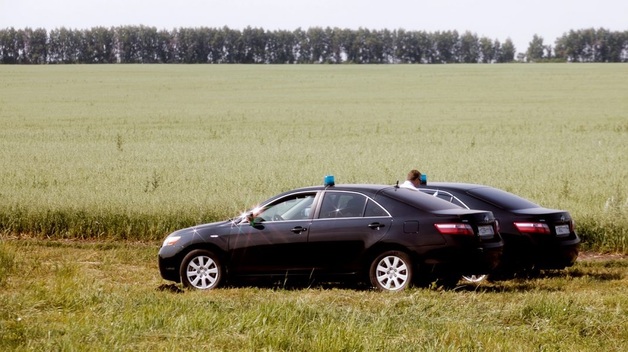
(329, 180)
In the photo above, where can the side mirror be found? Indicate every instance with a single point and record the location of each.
(254, 220)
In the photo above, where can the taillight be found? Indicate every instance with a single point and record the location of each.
(454, 229)
(533, 227)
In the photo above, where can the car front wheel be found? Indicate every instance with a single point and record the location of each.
(201, 269)
(391, 271)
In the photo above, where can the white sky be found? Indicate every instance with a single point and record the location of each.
(495, 19)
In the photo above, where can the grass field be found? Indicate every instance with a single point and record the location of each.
(71, 295)
(124, 154)
(135, 151)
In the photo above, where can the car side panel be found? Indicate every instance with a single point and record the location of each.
(268, 247)
(339, 244)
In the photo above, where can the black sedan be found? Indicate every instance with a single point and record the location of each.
(535, 237)
(387, 236)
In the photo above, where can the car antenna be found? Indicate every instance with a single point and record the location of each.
(397, 184)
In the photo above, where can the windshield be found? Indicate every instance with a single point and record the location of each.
(501, 198)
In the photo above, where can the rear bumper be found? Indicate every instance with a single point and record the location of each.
(540, 252)
(562, 256)
(465, 261)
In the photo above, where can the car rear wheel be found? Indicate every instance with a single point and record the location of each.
(391, 271)
(201, 269)
(474, 278)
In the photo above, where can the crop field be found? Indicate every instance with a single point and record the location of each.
(99, 162)
(135, 151)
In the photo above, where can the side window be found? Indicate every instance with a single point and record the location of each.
(293, 207)
(457, 202)
(445, 196)
(374, 209)
(342, 205)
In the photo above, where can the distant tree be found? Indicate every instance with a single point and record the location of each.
(427, 47)
(469, 51)
(570, 46)
(37, 48)
(128, 45)
(335, 47)
(253, 41)
(446, 46)
(64, 46)
(536, 49)
(319, 45)
(507, 52)
(165, 47)
(488, 50)
(350, 45)
(97, 45)
(281, 47)
(8, 46)
(407, 48)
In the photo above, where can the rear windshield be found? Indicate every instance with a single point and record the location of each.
(419, 199)
(501, 198)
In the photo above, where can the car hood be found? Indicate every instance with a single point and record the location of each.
(203, 228)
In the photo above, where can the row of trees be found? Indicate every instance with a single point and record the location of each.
(587, 45)
(142, 44)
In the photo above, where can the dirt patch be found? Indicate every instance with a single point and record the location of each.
(600, 256)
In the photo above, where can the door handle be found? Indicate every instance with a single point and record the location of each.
(299, 229)
(376, 225)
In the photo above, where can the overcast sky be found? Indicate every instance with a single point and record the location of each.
(495, 19)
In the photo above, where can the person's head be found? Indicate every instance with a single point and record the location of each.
(414, 176)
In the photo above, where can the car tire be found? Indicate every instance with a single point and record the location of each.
(202, 270)
(391, 271)
(474, 279)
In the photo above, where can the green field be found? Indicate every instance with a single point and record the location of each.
(85, 296)
(135, 151)
(123, 154)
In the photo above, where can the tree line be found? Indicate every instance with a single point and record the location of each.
(143, 44)
(586, 45)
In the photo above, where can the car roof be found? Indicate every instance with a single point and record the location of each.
(369, 188)
(409, 196)
(455, 185)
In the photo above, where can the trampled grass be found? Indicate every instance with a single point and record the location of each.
(69, 295)
(135, 151)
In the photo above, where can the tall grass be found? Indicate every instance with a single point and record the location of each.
(136, 151)
(100, 297)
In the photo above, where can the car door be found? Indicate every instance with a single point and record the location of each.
(276, 240)
(346, 224)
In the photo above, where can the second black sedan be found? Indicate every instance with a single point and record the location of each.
(390, 237)
(535, 237)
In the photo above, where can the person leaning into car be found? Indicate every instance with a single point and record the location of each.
(413, 180)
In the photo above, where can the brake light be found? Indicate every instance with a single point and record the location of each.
(454, 229)
(533, 227)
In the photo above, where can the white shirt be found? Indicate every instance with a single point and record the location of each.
(407, 184)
